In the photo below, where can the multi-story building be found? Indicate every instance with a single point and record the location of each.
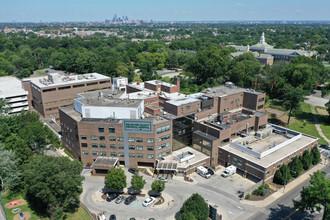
(262, 152)
(106, 124)
(267, 52)
(48, 94)
(12, 90)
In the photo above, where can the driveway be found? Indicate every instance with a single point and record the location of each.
(215, 190)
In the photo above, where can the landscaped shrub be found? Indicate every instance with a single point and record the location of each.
(261, 190)
(247, 196)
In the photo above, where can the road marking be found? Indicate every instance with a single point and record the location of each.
(240, 207)
(287, 217)
(297, 197)
(231, 212)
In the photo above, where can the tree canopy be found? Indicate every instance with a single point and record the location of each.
(158, 186)
(137, 182)
(316, 195)
(115, 179)
(53, 184)
(197, 206)
(9, 172)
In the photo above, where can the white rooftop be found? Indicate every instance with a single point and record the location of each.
(11, 86)
(56, 79)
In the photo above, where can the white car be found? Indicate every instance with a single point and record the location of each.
(162, 179)
(148, 201)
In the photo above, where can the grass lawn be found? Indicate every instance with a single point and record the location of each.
(7, 197)
(81, 214)
(324, 121)
(305, 122)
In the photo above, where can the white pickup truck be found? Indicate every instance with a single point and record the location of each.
(229, 171)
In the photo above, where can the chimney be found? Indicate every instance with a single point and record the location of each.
(177, 82)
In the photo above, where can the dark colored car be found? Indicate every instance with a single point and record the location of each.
(130, 199)
(209, 171)
(325, 146)
(133, 170)
(112, 197)
(112, 217)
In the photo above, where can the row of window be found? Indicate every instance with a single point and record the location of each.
(163, 138)
(121, 147)
(114, 154)
(113, 138)
(111, 129)
(163, 154)
(163, 129)
(159, 147)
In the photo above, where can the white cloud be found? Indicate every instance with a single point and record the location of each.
(299, 10)
(239, 4)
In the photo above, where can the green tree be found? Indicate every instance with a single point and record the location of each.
(137, 182)
(187, 216)
(316, 195)
(158, 186)
(172, 60)
(9, 172)
(306, 160)
(197, 206)
(316, 157)
(282, 175)
(4, 106)
(292, 98)
(53, 185)
(211, 64)
(115, 179)
(296, 167)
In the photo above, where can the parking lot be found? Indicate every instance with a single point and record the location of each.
(179, 190)
(230, 185)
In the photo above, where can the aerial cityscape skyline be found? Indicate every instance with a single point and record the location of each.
(209, 10)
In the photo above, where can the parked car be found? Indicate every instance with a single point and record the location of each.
(210, 171)
(112, 197)
(162, 179)
(112, 217)
(120, 199)
(130, 199)
(325, 146)
(133, 170)
(148, 201)
(229, 171)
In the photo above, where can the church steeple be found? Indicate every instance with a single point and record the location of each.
(262, 39)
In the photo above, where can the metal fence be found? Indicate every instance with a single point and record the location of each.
(92, 215)
(2, 210)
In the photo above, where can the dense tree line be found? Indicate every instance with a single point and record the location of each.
(50, 184)
(286, 172)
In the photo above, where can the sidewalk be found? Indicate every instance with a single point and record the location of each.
(290, 186)
(317, 125)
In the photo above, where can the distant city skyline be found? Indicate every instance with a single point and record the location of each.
(170, 10)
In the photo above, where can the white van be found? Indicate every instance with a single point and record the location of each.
(203, 172)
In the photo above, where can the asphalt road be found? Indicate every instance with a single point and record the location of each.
(215, 194)
(283, 207)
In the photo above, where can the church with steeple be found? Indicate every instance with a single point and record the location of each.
(267, 54)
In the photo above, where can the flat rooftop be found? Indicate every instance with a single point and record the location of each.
(158, 82)
(11, 86)
(199, 156)
(106, 161)
(69, 110)
(221, 91)
(64, 79)
(107, 97)
(273, 157)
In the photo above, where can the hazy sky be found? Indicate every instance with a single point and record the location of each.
(163, 10)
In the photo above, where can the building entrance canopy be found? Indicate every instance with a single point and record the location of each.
(167, 165)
